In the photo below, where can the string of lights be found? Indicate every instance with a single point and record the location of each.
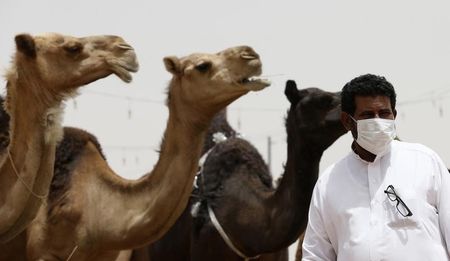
(128, 98)
(435, 96)
(432, 95)
(129, 148)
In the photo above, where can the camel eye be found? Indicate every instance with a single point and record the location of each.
(73, 48)
(203, 67)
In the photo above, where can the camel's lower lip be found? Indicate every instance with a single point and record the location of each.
(132, 68)
(123, 74)
(123, 71)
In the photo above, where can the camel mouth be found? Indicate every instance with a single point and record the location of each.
(254, 83)
(124, 70)
(124, 75)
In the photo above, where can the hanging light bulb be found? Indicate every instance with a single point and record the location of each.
(124, 158)
(130, 112)
(239, 120)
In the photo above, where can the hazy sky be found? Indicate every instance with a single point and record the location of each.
(317, 43)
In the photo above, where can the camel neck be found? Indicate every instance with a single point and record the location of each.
(302, 167)
(294, 191)
(176, 168)
(30, 154)
(180, 149)
(155, 202)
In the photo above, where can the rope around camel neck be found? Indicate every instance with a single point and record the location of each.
(41, 197)
(218, 137)
(225, 237)
(73, 252)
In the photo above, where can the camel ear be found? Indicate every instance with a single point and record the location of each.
(25, 44)
(291, 92)
(173, 65)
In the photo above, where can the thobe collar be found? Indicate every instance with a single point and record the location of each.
(377, 157)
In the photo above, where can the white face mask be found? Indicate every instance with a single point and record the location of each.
(376, 134)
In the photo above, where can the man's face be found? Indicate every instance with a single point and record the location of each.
(368, 107)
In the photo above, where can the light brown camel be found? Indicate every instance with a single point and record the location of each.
(46, 70)
(97, 213)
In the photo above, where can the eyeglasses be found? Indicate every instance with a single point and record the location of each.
(401, 206)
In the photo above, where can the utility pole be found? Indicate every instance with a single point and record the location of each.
(269, 153)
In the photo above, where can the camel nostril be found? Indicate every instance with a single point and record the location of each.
(249, 56)
(124, 46)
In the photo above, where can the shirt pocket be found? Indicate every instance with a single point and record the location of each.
(396, 220)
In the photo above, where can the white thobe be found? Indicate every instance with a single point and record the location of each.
(352, 219)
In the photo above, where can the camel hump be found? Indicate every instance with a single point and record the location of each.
(74, 142)
(226, 157)
(67, 152)
(233, 158)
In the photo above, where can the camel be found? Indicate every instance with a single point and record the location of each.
(45, 71)
(260, 220)
(92, 213)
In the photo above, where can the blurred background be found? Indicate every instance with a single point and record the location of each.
(317, 43)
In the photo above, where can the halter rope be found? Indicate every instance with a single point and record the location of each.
(218, 137)
(41, 197)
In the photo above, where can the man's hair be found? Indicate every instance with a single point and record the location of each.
(366, 85)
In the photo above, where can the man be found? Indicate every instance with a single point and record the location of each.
(386, 200)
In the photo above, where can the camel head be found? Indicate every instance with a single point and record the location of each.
(316, 114)
(210, 82)
(64, 63)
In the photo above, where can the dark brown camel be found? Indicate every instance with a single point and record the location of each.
(236, 184)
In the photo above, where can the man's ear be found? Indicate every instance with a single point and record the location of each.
(395, 114)
(25, 44)
(347, 121)
(173, 65)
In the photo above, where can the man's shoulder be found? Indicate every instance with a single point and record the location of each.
(420, 153)
(417, 148)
